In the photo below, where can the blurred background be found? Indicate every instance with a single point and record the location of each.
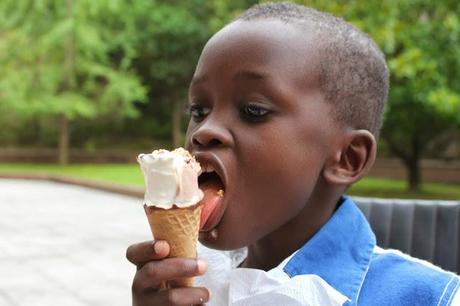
(87, 85)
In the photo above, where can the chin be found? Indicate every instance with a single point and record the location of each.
(220, 242)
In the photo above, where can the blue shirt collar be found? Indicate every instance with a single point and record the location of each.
(340, 252)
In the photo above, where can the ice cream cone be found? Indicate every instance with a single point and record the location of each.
(171, 202)
(179, 227)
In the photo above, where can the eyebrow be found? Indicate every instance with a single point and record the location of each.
(240, 75)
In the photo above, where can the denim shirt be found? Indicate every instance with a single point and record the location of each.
(344, 253)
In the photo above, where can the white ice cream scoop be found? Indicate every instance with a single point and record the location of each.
(171, 178)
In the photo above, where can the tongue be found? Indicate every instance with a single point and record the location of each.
(211, 198)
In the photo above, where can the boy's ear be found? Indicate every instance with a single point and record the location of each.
(353, 160)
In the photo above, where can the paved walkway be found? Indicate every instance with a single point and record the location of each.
(65, 245)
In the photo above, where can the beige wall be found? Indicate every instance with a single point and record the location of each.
(432, 170)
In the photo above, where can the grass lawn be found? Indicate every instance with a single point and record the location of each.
(386, 188)
(130, 174)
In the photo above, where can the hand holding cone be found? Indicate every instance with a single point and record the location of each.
(179, 227)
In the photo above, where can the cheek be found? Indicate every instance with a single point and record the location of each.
(274, 186)
(275, 173)
(284, 163)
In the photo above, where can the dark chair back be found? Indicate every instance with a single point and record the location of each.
(426, 229)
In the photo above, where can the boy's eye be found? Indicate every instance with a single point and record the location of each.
(198, 112)
(253, 112)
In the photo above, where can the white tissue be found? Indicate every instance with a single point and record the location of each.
(251, 287)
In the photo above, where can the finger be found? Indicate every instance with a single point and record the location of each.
(177, 296)
(140, 253)
(153, 273)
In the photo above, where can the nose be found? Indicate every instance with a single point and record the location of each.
(211, 134)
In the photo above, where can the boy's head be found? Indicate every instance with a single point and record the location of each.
(352, 70)
(281, 108)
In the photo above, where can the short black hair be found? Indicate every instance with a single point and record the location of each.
(353, 72)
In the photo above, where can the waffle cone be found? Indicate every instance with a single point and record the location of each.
(179, 227)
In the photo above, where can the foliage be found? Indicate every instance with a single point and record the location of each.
(123, 52)
(224, 11)
(43, 76)
(169, 39)
(421, 41)
(132, 51)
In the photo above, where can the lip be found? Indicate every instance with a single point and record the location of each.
(208, 158)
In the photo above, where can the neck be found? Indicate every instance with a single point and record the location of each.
(270, 251)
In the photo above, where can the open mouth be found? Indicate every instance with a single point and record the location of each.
(213, 189)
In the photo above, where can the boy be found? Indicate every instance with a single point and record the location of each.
(286, 104)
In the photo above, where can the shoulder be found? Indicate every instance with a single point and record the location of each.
(399, 279)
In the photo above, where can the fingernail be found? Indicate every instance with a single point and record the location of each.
(201, 265)
(159, 246)
(207, 298)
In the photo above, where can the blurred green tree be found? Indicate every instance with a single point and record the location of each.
(421, 40)
(168, 39)
(83, 59)
(67, 59)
